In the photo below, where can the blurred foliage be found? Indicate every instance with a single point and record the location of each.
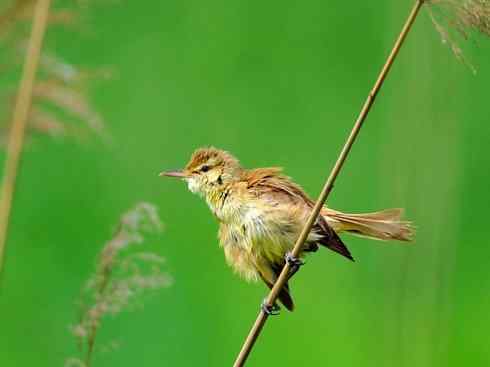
(277, 84)
(61, 106)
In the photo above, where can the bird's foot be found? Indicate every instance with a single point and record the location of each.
(294, 263)
(270, 310)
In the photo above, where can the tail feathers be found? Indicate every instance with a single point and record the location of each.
(383, 225)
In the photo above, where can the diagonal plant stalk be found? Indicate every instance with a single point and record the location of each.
(20, 115)
(283, 277)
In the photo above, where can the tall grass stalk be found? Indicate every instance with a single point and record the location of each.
(19, 119)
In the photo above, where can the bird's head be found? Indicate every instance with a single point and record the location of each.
(209, 170)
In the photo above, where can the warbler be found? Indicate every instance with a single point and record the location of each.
(261, 213)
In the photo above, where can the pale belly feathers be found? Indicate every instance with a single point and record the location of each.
(255, 235)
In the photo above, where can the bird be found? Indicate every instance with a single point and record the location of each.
(261, 213)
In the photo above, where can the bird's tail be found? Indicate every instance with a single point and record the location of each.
(383, 225)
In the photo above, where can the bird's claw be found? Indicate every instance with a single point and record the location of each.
(294, 263)
(270, 310)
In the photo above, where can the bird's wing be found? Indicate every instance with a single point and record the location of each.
(271, 184)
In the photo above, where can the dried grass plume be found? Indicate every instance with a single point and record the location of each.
(123, 274)
(460, 19)
(61, 106)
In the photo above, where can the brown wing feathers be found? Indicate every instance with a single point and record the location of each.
(332, 241)
(272, 179)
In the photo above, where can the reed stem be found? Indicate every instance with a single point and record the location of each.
(327, 188)
(19, 119)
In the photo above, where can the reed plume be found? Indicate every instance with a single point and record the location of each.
(457, 20)
(123, 275)
(60, 102)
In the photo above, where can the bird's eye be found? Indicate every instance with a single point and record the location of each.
(205, 168)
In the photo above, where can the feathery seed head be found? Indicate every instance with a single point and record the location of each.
(459, 20)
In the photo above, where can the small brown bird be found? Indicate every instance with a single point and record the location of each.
(261, 213)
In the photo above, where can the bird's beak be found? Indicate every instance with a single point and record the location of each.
(178, 174)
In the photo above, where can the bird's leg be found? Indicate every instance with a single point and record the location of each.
(270, 310)
(294, 263)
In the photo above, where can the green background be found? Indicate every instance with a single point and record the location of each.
(276, 83)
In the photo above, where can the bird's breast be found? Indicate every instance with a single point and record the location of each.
(254, 229)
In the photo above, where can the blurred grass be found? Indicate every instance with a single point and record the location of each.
(276, 84)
